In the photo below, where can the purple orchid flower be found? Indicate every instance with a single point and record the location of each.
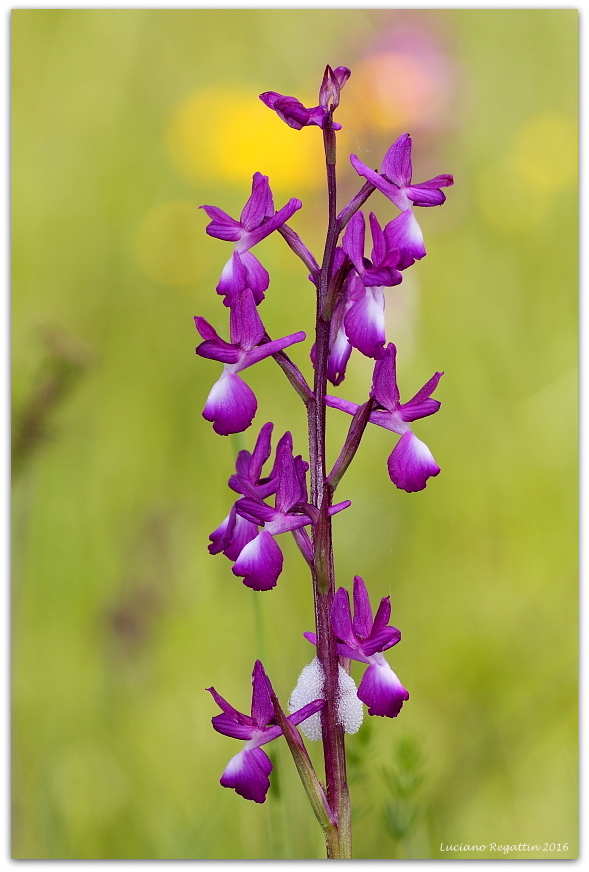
(363, 639)
(231, 404)
(394, 181)
(247, 772)
(297, 116)
(257, 220)
(364, 321)
(234, 532)
(260, 561)
(411, 463)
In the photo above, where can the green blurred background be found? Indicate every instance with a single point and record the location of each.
(123, 122)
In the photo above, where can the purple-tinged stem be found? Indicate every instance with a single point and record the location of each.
(363, 194)
(306, 772)
(334, 290)
(294, 241)
(323, 573)
(293, 374)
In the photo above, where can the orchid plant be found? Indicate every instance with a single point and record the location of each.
(350, 314)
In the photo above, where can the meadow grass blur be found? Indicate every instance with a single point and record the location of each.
(123, 122)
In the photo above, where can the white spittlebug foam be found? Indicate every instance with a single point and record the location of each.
(350, 711)
(310, 686)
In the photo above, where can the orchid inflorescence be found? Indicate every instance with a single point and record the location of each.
(350, 314)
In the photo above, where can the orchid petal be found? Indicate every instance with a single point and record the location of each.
(404, 234)
(289, 109)
(339, 354)
(225, 725)
(341, 404)
(338, 507)
(365, 325)
(288, 491)
(245, 326)
(260, 562)
(341, 619)
(259, 204)
(255, 510)
(287, 523)
(379, 246)
(270, 224)
(228, 709)
(353, 241)
(220, 536)
(306, 711)
(232, 535)
(205, 329)
(388, 421)
(385, 187)
(380, 641)
(247, 773)
(411, 464)
(422, 196)
(222, 225)
(257, 277)
(262, 710)
(384, 380)
(362, 623)
(261, 452)
(382, 616)
(396, 164)
(351, 653)
(233, 278)
(217, 349)
(381, 690)
(266, 349)
(422, 405)
(231, 405)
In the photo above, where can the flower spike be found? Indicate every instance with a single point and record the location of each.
(271, 494)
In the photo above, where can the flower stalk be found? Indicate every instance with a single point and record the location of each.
(311, 783)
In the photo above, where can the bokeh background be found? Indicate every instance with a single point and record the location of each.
(123, 123)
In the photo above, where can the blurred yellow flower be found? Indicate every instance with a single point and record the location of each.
(228, 134)
(545, 151)
(167, 243)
